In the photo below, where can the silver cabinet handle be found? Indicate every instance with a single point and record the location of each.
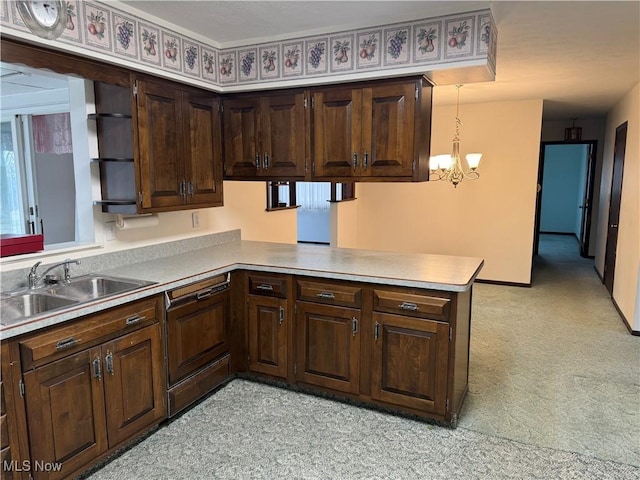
(201, 295)
(376, 331)
(109, 361)
(327, 295)
(355, 160)
(266, 160)
(97, 373)
(365, 163)
(265, 286)
(135, 319)
(409, 306)
(281, 315)
(354, 326)
(67, 343)
(258, 161)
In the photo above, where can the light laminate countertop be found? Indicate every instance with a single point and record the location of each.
(438, 272)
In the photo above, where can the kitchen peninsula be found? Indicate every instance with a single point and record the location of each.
(383, 329)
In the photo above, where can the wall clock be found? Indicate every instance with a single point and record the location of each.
(47, 19)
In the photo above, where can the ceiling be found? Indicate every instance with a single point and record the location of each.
(581, 58)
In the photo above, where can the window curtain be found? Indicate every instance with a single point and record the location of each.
(313, 195)
(52, 133)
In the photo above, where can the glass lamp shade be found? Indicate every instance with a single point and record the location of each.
(473, 160)
(438, 162)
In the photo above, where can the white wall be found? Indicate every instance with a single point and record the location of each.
(491, 217)
(625, 285)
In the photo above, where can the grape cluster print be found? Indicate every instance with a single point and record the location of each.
(190, 55)
(315, 55)
(396, 43)
(125, 30)
(247, 63)
(486, 34)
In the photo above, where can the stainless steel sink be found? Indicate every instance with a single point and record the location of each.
(90, 287)
(20, 305)
(17, 307)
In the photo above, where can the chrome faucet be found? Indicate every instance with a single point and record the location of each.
(34, 278)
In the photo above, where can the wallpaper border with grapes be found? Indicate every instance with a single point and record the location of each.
(422, 45)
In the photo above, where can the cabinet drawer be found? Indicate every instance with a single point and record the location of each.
(330, 293)
(59, 342)
(269, 285)
(436, 306)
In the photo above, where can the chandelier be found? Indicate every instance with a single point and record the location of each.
(449, 167)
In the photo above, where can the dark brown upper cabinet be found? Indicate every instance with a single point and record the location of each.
(375, 131)
(179, 145)
(265, 136)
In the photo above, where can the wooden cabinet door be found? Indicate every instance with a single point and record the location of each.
(283, 135)
(241, 125)
(203, 144)
(409, 364)
(328, 346)
(134, 383)
(268, 335)
(160, 145)
(198, 334)
(66, 412)
(337, 132)
(388, 130)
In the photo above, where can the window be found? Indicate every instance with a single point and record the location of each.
(45, 177)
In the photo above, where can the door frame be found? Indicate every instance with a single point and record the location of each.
(587, 207)
(613, 216)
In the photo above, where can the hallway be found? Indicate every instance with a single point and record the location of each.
(554, 365)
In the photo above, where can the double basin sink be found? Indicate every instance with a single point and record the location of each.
(21, 305)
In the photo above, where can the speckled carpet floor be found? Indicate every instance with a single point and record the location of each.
(554, 394)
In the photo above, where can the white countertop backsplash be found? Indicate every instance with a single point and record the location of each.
(173, 269)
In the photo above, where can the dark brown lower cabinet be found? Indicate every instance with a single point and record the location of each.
(409, 362)
(83, 404)
(328, 346)
(268, 335)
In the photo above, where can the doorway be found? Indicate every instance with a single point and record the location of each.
(614, 206)
(565, 192)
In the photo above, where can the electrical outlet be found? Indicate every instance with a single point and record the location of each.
(110, 232)
(195, 219)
